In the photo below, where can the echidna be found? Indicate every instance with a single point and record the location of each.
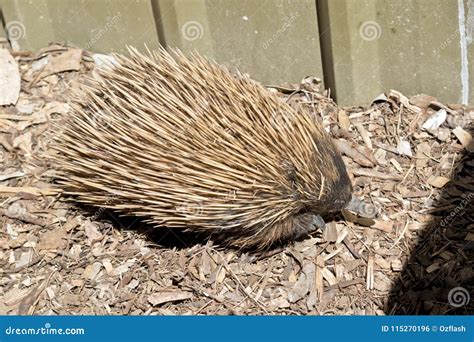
(187, 144)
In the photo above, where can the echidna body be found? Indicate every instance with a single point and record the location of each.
(185, 143)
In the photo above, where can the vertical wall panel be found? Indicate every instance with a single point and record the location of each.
(412, 46)
(274, 41)
(98, 25)
(469, 25)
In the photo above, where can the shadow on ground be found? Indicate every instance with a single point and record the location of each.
(162, 236)
(439, 276)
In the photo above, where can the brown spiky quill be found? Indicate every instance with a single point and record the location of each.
(185, 143)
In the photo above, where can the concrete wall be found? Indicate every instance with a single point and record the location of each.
(98, 25)
(275, 41)
(413, 46)
(368, 46)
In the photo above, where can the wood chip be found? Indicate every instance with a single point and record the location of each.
(404, 148)
(370, 273)
(396, 265)
(396, 164)
(55, 239)
(91, 271)
(376, 174)
(385, 226)
(108, 267)
(330, 233)
(437, 181)
(162, 297)
(379, 260)
(280, 302)
(464, 138)
(436, 120)
(70, 60)
(319, 277)
(433, 267)
(329, 276)
(348, 149)
(10, 80)
(28, 189)
(343, 119)
(365, 135)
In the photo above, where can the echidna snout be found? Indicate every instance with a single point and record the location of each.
(188, 145)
